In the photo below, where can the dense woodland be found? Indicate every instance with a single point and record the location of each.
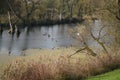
(32, 12)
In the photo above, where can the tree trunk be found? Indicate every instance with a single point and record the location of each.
(80, 12)
(119, 8)
(9, 18)
(71, 12)
(60, 16)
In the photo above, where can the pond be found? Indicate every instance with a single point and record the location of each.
(46, 37)
(37, 38)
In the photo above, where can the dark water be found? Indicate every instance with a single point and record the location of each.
(37, 38)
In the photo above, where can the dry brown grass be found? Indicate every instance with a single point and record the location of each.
(57, 66)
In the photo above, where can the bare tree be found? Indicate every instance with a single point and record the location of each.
(85, 38)
(11, 30)
(22, 9)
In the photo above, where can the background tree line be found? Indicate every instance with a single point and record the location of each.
(43, 11)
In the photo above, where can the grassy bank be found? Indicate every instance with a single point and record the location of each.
(55, 65)
(113, 75)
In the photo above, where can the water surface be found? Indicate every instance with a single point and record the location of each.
(37, 38)
(47, 37)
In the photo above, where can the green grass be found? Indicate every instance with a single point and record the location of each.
(114, 75)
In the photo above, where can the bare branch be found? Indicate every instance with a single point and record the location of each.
(99, 36)
(92, 35)
(104, 35)
(99, 42)
(77, 52)
(12, 9)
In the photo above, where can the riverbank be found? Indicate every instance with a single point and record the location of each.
(44, 22)
(38, 64)
(48, 22)
(6, 59)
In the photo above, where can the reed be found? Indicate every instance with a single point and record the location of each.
(60, 67)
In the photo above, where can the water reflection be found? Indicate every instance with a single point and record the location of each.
(39, 37)
(46, 37)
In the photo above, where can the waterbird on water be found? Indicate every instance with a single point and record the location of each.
(48, 35)
(78, 34)
(9, 53)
